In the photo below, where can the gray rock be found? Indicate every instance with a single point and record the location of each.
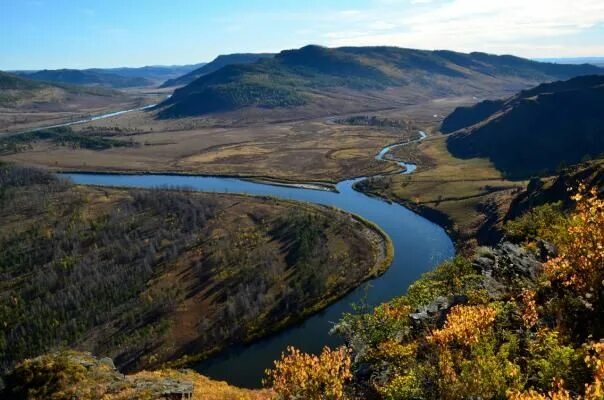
(508, 265)
(435, 312)
(108, 362)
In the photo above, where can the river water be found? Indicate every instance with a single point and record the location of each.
(419, 245)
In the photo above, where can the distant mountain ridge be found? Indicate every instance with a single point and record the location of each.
(87, 78)
(118, 78)
(536, 131)
(315, 75)
(215, 65)
(156, 73)
(14, 82)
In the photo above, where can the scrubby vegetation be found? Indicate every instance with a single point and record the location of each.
(521, 321)
(15, 90)
(63, 136)
(87, 77)
(74, 375)
(215, 65)
(121, 272)
(366, 120)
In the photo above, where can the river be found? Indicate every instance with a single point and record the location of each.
(419, 245)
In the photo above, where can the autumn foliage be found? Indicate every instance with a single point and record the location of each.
(464, 325)
(306, 376)
(580, 265)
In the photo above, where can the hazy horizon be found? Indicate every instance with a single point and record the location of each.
(43, 34)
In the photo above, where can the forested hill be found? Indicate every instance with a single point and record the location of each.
(14, 82)
(313, 74)
(215, 65)
(536, 131)
(149, 276)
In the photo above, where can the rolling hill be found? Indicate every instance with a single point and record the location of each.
(87, 77)
(16, 91)
(361, 78)
(215, 65)
(536, 131)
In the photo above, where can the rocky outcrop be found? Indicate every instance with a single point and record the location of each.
(510, 266)
(503, 268)
(435, 313)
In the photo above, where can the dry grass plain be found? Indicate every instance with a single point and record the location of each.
(315, 150)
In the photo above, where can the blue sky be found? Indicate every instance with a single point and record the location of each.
(37, 34)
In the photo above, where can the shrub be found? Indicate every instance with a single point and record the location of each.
(305, 376)
(580, 264)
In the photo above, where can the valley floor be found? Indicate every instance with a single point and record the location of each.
(463, 195)
(311, 150)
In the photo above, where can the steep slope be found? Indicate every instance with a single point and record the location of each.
(87, 77)
(215, 65)
(358, 76)
(536, 131)
(557, 188)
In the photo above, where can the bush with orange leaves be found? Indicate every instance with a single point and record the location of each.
(305, 376)
(557, 393)
(530, 315)
(580, 265)
(595, 360)
(465, 325)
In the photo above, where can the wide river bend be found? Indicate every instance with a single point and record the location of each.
(419, 245)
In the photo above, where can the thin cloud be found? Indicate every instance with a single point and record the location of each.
(469, 25)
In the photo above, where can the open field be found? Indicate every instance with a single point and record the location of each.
(460, 194)
(151, 276)
(316, 150)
